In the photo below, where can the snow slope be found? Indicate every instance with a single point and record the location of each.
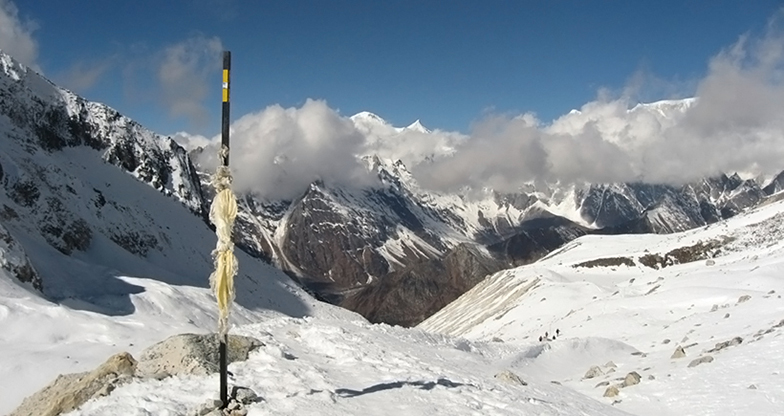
(331, 367)
(635, 316)
(116, 254)
(142, 276)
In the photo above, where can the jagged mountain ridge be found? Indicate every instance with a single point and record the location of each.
(386, 252)
(396, 252)
(58, 159)
(54, 118)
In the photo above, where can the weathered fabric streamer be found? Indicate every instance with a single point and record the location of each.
(223, 212)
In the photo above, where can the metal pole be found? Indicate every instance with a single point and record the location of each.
(225, 116)
(224, 389)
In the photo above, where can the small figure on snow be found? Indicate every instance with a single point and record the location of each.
(540, 338)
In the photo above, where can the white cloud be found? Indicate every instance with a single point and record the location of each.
(16, 35)
(279, 151)
(736, 124)
(184, 72)
(408, 145)
(191, 141)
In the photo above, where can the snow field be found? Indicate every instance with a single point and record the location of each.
(636, 316)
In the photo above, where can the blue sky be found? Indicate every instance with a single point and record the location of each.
(447, 63)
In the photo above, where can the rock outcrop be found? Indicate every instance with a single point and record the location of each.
(678, 353)
(191, 354)
(631, 379)
(70, 391)
(179, 354)
(510, 377)
(593, 372)
(726, 344)
(611, 391)
(702, 360)
(15, 261)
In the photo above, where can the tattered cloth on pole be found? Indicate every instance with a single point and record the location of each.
(223, 211)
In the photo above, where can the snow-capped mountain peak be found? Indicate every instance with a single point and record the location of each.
(366, 117)
(418, 127)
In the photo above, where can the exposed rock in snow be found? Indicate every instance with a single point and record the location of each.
(238, 399)
(704, 359)
(593, 372)
(510, 377)
(631, 379)
(722, 345)
(191, 354)
(14, 260)
(70, 391)
(678, 353)
(611, 391)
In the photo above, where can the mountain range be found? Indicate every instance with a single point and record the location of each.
(397, 252)
(394, 252)
(104, 247)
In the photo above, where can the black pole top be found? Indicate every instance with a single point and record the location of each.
(226, 59)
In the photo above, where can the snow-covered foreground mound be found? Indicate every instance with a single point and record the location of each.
(633, 300)
(317, 366)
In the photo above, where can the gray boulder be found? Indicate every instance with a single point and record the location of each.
(698, 361)
(70, 391)
(611, 391)
(192, 354)
(594, 371)
(240, 397)
(631, 379)
(510, 377)
(679, 352)
(722, 345)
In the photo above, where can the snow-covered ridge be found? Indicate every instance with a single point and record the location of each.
(666, 108)
(54, 117)
(693, 289)
(101, 249)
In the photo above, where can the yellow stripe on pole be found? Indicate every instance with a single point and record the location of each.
(225, 85)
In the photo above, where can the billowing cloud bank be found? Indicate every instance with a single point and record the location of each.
(735, 124)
